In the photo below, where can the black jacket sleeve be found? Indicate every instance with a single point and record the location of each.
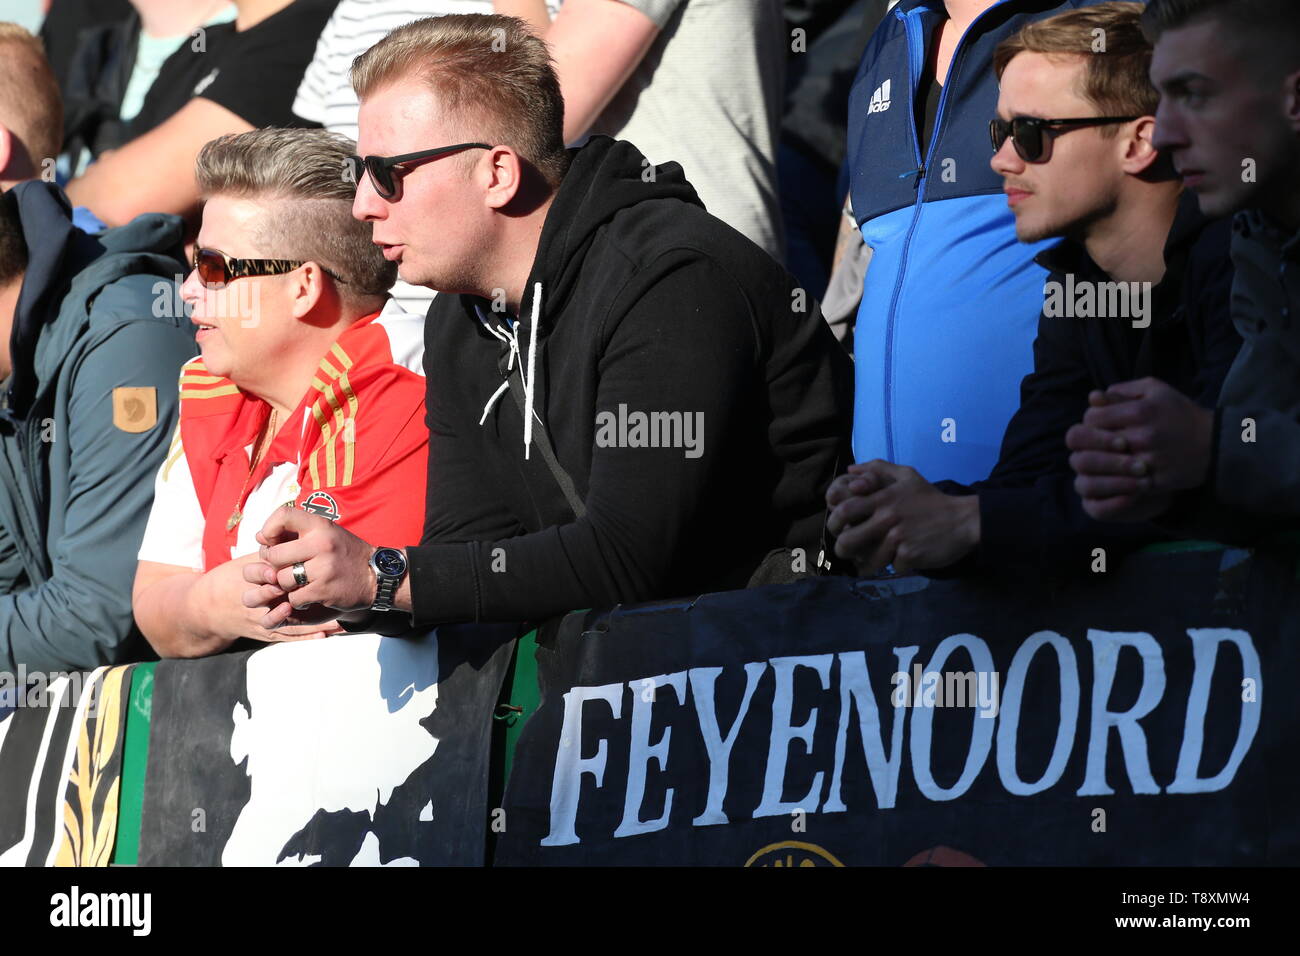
(1030, 516)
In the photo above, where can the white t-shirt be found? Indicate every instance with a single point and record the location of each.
(174, 533)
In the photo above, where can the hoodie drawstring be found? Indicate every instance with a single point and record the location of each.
(493, 400)
(532, 367)
(512, 339)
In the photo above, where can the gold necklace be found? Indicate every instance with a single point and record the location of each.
(263, 446)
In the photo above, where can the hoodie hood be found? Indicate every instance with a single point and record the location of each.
(605, 177)
(67, 269)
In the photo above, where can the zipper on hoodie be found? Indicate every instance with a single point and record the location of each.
(33, 459)
(917, 55)
(28, 528)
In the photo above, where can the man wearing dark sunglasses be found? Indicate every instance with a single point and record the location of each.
(574, 288)
(1073, 143)
(1229, 76)
(385, 172)
(308, 391)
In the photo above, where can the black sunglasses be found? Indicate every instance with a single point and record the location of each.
(380, 168)
(215, 268)
(1028, 133)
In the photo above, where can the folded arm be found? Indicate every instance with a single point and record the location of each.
(596, 45)
(154, 172)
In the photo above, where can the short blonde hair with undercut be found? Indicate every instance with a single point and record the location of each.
(303, 176)
(489, 72)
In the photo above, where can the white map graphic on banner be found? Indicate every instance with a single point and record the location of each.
(307, 754)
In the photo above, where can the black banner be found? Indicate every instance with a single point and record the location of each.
(357, 750)
(39, 730)
(1145, 717)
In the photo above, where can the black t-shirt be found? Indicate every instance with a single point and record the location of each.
(258, 70)
(927, 108)
(173, 86)
(928, 92)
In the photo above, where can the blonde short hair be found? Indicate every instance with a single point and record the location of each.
(1117, 55)
(490, 72)
(305, 173)
(30, 104)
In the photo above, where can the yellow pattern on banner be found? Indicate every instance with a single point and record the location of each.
(90, 803)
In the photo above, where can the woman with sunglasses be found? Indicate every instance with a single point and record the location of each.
(308, 392)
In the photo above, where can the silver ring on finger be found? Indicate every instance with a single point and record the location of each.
(300, 574)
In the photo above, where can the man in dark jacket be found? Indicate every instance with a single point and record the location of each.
(90, 340)
(627, 399)
(1229, 75)
(1139, 287)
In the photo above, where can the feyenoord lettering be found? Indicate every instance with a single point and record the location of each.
(687, 704)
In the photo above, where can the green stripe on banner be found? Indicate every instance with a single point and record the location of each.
(524, 693)
(134, 758)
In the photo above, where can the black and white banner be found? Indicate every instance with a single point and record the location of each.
(1147, 717)
(358, 750)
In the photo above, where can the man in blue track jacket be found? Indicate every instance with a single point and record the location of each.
(1147, 278)
(951, 301)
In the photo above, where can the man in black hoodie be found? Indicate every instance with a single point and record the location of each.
(627, 399)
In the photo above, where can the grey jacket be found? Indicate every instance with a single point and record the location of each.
(96, 317)
(1256, 467)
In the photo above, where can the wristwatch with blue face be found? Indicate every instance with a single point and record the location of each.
(389, 566)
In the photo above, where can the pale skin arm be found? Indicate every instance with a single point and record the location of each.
(187, 613)
(154, 172)
(533, 12)
(596, 44)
